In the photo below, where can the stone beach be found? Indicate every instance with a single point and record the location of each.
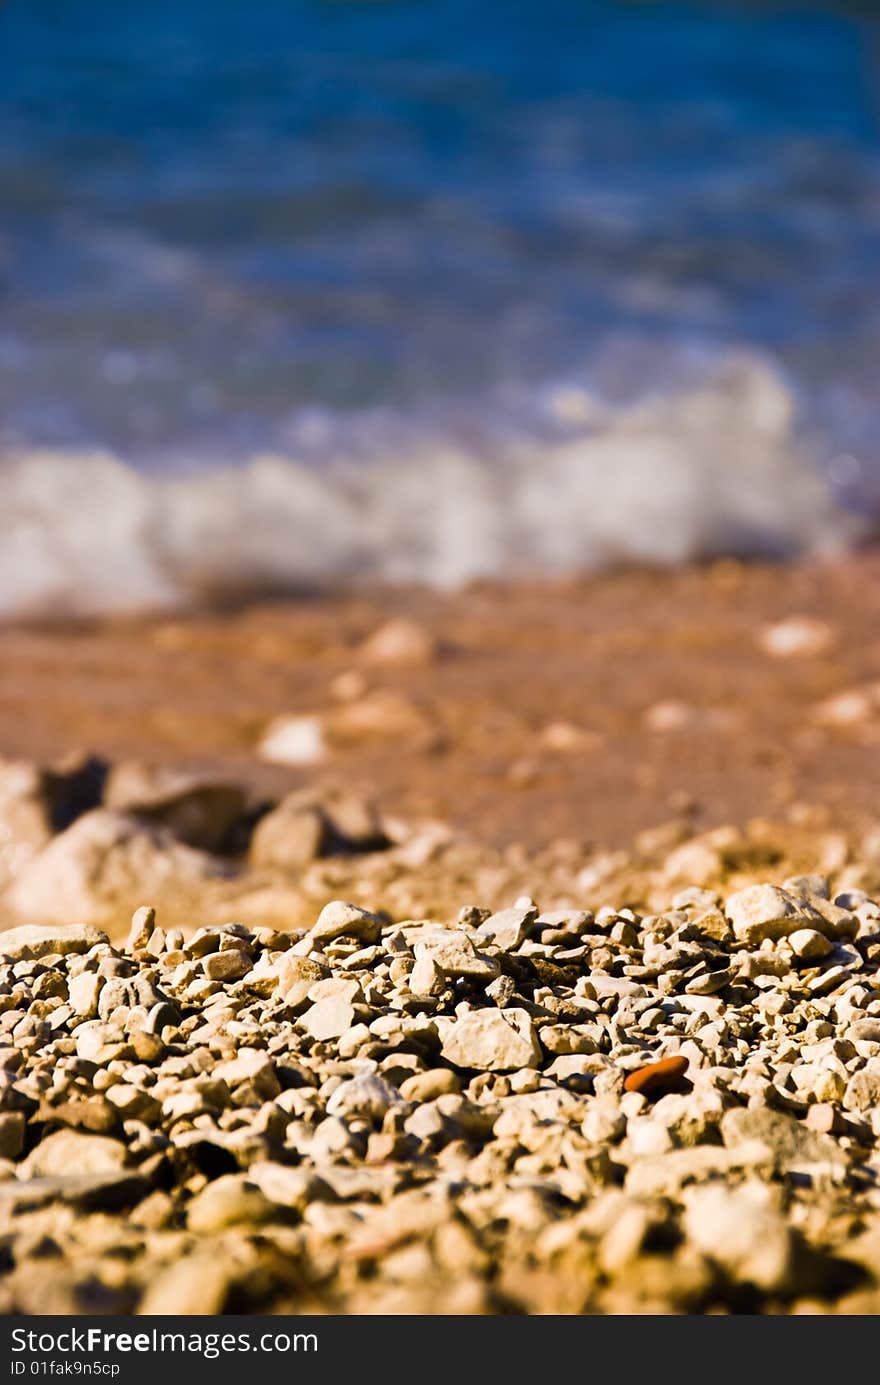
(576, 1110)
(479, 956)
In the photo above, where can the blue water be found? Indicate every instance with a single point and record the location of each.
(371, 234)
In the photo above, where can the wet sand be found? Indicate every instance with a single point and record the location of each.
(589, 709)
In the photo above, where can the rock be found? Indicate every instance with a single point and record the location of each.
(853, 707)
(763, 911)
(291, 1188)
(143, 924)
(793, 1147)
(201, 812)
(796, 637)
(863, 1089)
(232, 1200)
(339, 919)
(25, 815)
(366, 1097)
(293, 740)
(102, 862)
(93, 1114)
(92, 1192)
(509, 928)
(69, 1152)
(330, 1018)
(296, 976)
(399, 641)
(426, 978)
(809, 945)
(229, 965)
(825, 1119)
(34, 940)
(289, 837)
(654, 1078)
(664, 1175)
(743, 1231)
(195, 1286)
(455, 955)
(427, 1086)
(492, 1041)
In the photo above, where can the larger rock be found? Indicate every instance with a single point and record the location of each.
(454, 953)
(199, 811)
(34, 940)
(793, 1146)
(742, 1230)
(104, 862)
(341, 919)
(290, 836)
(231, 1201)
(68, 1152)
(492, 1041)
(763, 911)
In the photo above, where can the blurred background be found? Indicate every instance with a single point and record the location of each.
(296, 291)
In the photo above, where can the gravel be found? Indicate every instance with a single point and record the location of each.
(562, 1112)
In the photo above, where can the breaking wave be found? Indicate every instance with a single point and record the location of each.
(567, 484)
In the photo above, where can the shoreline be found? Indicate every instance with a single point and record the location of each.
(592, 707)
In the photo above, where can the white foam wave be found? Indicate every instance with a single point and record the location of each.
(709, 469)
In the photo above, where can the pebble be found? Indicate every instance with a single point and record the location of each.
(340, 919)
(663, 1076)
(493, 1040)
(33, 940)
(355, 1115)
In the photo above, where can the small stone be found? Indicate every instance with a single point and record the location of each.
(230, 1201)
(94, 1114)
(426, 978)
(68, 1152)
(340, 919)
(510, 927)
(762, 911)
(289, 837)
(226, 966)
(654, 1078)
(455, 955)
(427, 1086)
(35, 940)
(143, 923)
(330, 1018)
(492, 1041)
(399, 641)
(293, 740)
(501, 991)
(148, 1048)
(83, 992)
(296, 976)
(742, 1230)
(133, 1103)
(195, 1286)
(809, 945)
(825, 1119)
(366, 1097)
(863, 1089)
(796, 637)
(792, 1145)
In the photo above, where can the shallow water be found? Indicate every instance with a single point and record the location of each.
(292, 291)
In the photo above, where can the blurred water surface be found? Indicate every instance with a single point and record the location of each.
(461, 288)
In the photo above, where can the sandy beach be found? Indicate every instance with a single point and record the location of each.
(590, 709)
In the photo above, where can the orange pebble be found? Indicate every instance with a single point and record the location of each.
(657, 1077)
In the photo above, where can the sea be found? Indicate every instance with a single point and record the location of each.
(296, 293)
